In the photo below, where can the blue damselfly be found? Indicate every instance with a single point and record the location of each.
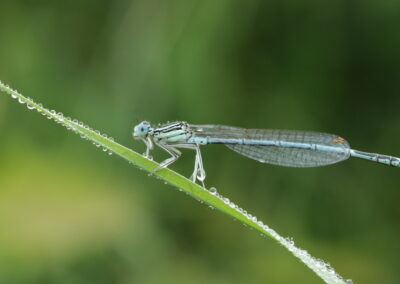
(290, 148)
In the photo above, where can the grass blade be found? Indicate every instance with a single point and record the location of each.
(209, 197)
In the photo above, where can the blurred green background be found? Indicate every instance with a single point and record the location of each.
(72, 214)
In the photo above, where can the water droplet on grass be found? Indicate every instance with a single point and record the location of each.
(212, 190)
(30, 106)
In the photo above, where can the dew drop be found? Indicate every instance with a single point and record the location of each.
(212, 190)
(21, 101)
(29, 106)
(290, 241)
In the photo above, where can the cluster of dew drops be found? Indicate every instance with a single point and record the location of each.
(287, 242)
(71, 124)
(248, 216)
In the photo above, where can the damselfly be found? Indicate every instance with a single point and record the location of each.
(290, 148)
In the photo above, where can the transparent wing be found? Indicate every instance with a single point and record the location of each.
(277, 155)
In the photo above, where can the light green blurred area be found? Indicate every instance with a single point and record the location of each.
(70, 213)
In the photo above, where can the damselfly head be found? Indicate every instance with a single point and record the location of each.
(141, 130)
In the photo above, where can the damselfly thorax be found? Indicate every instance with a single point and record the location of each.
(172, 132)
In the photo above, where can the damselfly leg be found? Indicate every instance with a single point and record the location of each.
(175, 154)
(149, 146)
(199, 171)
(171, 149)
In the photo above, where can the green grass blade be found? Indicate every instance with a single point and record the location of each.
(211, 198)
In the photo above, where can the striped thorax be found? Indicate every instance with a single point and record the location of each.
(172, 132)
